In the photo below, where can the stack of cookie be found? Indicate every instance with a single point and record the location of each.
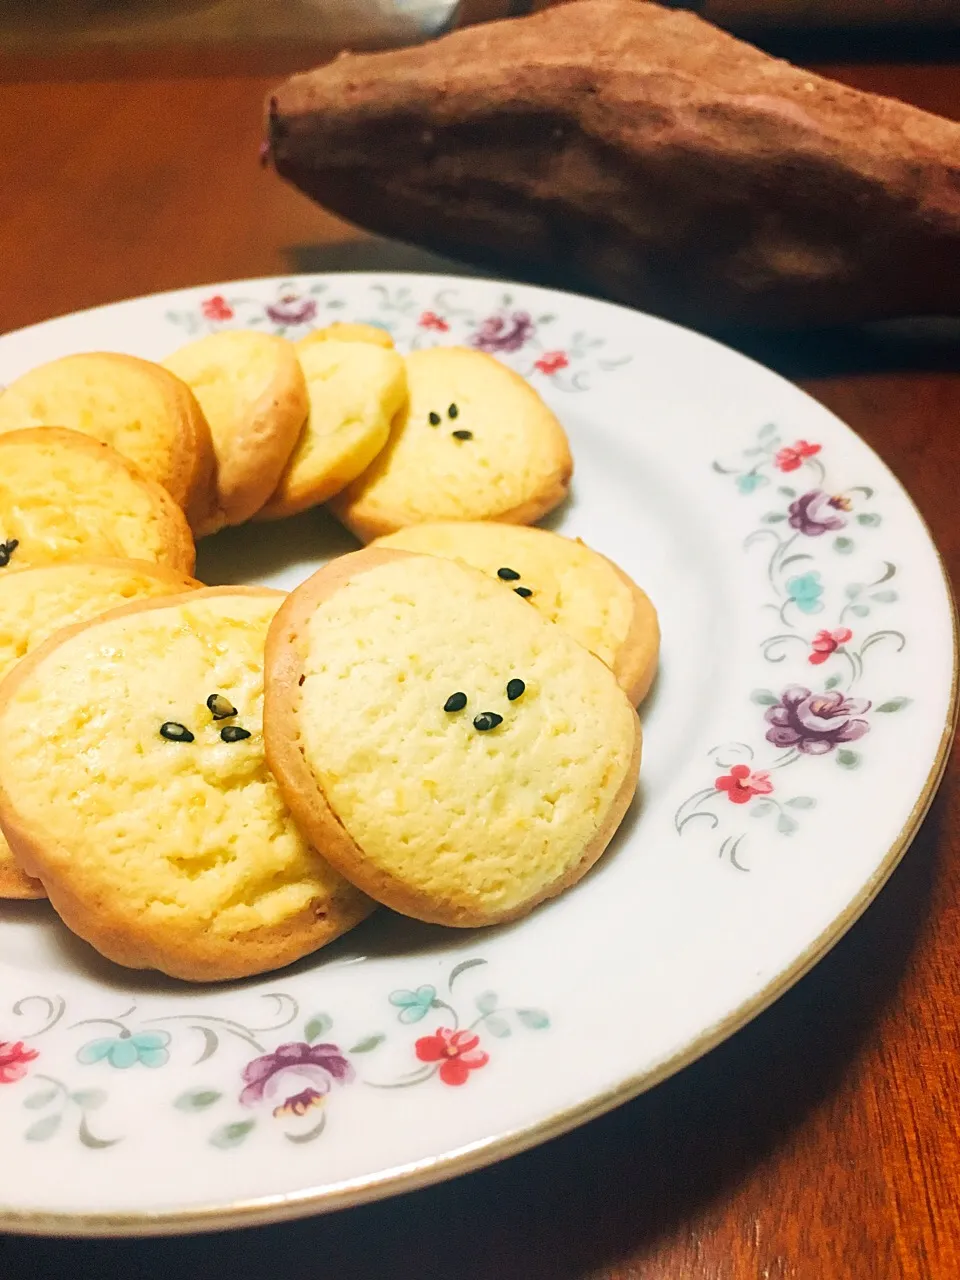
(243, 425)
(214, 782)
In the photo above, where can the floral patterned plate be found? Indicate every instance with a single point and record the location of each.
(793, 742)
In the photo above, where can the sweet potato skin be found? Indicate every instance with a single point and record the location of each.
(642, 154)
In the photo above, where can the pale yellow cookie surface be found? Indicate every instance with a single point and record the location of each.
(581, 590)
(65, 496)
(355, 389)
(34, 603)
(475, 442)
(138, 407)
(456, 755)
(254, 396)
(344, 331)
(174, 855)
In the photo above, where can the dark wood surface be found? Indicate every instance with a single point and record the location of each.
(820, 1143)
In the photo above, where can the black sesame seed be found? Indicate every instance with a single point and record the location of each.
(6, 551)
(463, 435)
(508, 575)
(233, 733)
(220, 707)
(434, 419)
(453, 412)
(175, 732)
(456, 702)
(515, 689)
(487, 720)
(523, 591)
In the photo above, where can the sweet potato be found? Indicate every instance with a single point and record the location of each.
(640, 153)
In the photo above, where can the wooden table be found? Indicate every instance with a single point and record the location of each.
(823, 1141)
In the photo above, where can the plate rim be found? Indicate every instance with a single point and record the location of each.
(264, 1210)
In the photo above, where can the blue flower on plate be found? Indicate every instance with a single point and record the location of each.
(805, 591)
(749, 481)
(126, 1050)
(413, 1005)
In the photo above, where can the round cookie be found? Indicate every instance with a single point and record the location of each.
(581, 590)
(34, 603)
(64, 496)
(355, 389)
(475, 442)
(344, 331)
(133, 784)
(253, 394)
(455, 755)
(138, 407)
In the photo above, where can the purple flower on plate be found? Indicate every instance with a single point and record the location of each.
(503, 332)
(297, 1076)
(815, 723)
(815, 513)
(290, 308)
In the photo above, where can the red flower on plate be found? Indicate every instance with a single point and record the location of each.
(790, 458)
(430, 320)
(14, 1056)
(741, 785)
(456, 1051)
(216, 308)
(552, 362)
(826, 642)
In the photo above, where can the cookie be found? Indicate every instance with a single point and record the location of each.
(138, 407)
(343, 331)
(133, 784)
(64, 496)
(475, 442)
(355, 389)
(454, 754)
(254, 396)
(34, 603)
(581, 590)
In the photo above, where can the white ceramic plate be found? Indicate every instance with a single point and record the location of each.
(793, 741)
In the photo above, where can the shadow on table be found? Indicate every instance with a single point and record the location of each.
(607, 1191)
(929, 344)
